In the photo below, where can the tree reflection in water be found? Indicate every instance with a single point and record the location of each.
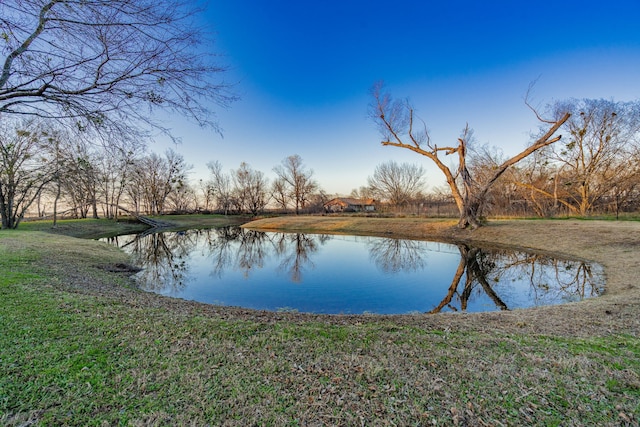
(294, 251)
(473, 267)
(480, 273)
(238, 248)
(394, 255)
(247, 250)
(549, 279)
(162, 257)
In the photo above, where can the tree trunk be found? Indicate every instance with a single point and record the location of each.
(55, 207)
(470, 216)
(94, 207)
(4, 214)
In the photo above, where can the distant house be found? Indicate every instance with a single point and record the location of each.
(345, 204)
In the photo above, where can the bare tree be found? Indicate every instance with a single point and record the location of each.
(594, 162)
(78, 176)
(207, 192)
(221, 186)
(280, 193)
(25, 168)
(397, 123)
(115, 165)
(535, 172)
(398, 183)
(154, 178)
(298, 179)
(251, 189)
(106, 64)
(182, 199)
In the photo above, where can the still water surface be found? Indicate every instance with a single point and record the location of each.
(351, 274)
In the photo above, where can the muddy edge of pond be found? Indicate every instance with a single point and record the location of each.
(614, 245)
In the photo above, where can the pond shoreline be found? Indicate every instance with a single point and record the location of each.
(612, 244)
(347, 274)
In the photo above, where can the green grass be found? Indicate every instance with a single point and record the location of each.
(85, 228)
(78, 347)
(94, 228)
(81, 361)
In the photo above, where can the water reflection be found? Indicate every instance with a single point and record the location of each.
(474, 267)
(162, 257)
(489, 271)
(348, 274)
(394, 255)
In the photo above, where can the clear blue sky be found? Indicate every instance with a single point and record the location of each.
(303, 70)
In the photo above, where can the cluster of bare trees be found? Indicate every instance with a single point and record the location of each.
(396, 187)
(54, 172)
(400, 127)
(21, 174)
(597, 167)
(51, 169)
(91, 76)
(44, 169)
(243, 190)
(246, 190)
(594, 168)
(99, 71)
(158, 183)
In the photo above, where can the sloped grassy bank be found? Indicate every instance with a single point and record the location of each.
(80, 346)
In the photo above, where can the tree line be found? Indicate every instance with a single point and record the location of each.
(585, 159)
(594, 168)
(42, 169)
(245, 190)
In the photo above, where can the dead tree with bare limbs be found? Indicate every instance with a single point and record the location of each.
(397, 123)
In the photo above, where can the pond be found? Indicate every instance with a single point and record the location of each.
(334, 274)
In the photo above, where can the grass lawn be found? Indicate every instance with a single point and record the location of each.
(79, 345)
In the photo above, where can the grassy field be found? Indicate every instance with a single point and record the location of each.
(79, 345)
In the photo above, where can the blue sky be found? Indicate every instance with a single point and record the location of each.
(303, 71)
